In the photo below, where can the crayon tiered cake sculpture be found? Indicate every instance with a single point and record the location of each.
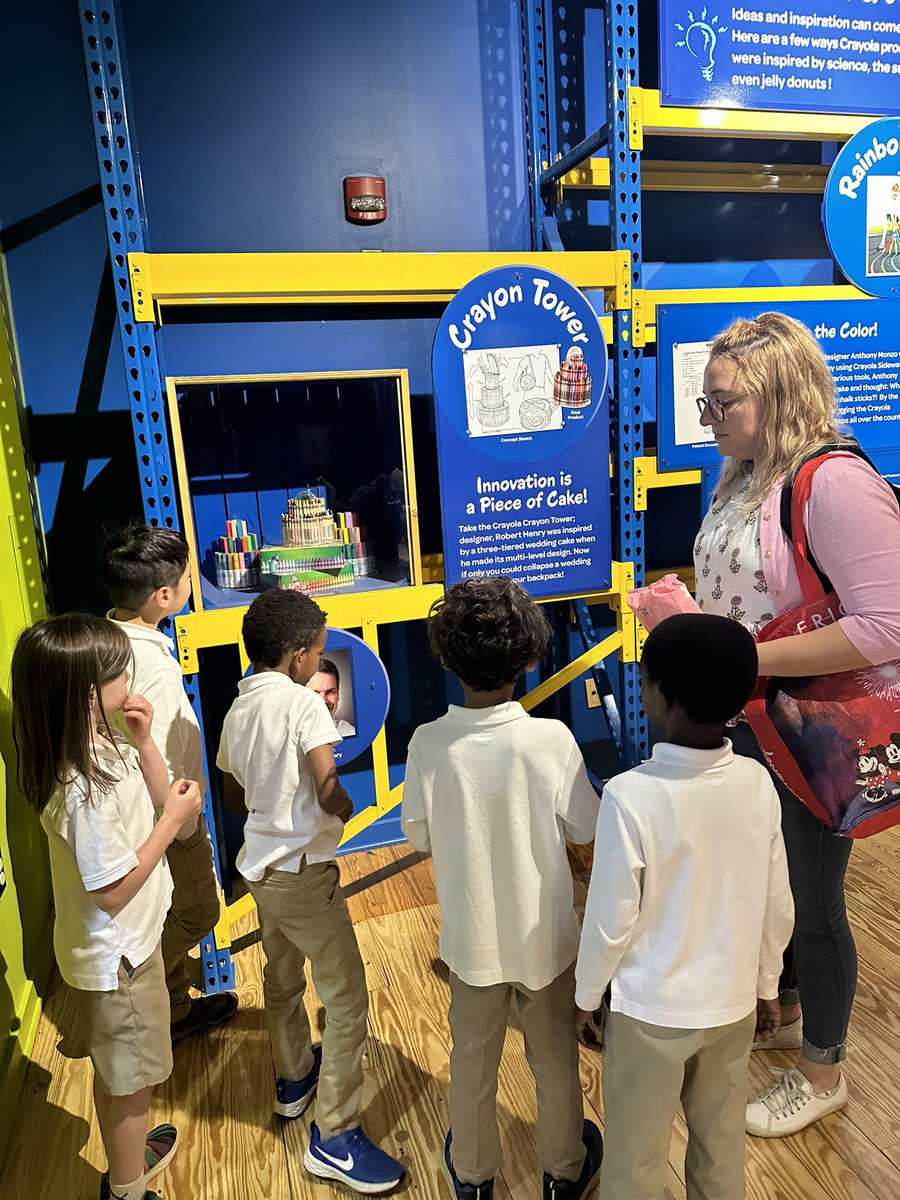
(318, 553)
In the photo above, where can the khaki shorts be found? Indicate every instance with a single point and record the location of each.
(127, 1032)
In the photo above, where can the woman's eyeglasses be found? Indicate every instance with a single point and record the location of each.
(717, 408)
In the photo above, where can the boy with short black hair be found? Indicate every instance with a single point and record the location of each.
(146, 573)
(277, 760)
(688, 912)
(494, 794)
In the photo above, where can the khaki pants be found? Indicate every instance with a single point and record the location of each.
(126, 1031)
(478, 1018)
(304, 915)
(194, 911)
(647, 1069)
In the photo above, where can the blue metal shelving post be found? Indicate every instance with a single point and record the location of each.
(626, 409)
(125, 228)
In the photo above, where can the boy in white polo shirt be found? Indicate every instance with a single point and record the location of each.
(145, 571)
(494, 794)
(688, 912)
(277, 759)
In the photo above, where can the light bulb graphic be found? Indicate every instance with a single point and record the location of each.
(700, 38)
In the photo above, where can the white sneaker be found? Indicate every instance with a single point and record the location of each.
(791, 1104)
(788, 1037)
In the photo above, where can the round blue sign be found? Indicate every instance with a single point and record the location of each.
(530, 397)
(861, 209)
(352, 681)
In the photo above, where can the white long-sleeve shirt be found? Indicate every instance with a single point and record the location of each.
(495, 795)
(689, 906)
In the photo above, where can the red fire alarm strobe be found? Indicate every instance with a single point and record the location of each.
(364, 199)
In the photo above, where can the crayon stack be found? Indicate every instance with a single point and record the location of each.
(237, 557)
(353, 539)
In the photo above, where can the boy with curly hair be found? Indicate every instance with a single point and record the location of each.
(494, 794)
(277, 760)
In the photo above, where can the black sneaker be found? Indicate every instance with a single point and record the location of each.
(206, 1012)
(465, 1191)
(575, 1189)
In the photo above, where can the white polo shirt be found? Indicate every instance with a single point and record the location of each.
(158, 677)
(93, 844)
(495, 794)
(689, 907)
(268, 732)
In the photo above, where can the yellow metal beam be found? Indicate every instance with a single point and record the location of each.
(571, 671)
(652, 300)
(649, 117)
(672, 176)
(210, 279)
(222, 626)
(647, 476)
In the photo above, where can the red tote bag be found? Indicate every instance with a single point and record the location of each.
(834, 740)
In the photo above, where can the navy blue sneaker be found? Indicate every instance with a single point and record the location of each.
(465, 1191)
(294, 1096)
(575, 1189)
(352, 1159)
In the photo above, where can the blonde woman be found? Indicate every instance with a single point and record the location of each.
(769, 400)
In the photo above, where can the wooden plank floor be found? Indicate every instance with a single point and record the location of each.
(233, 1148)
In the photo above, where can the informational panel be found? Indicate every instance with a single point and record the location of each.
(794, 55)
(520, 369)
(861, 341)
(861, 209)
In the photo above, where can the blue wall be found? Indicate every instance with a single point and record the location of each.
(246, 124)
(246, 119)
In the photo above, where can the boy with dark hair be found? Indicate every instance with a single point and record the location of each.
(145, 571)
(494, 795)
(688, 912)
(277, 759)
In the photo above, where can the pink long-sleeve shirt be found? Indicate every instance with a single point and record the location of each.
(853, 528)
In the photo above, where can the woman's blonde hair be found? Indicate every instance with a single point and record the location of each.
(781, 363)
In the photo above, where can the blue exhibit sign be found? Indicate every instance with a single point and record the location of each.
(520, 370)
(861, 342)
(829, 56)
(861, 208)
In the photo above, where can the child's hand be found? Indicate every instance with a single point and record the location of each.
(184, 801)
(587, 1032)
(768, 1020)
(138, 712)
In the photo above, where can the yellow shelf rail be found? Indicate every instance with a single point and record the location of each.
(647, 475)
(673, 176)
(645, 303)
(158, 280)
(649, 116)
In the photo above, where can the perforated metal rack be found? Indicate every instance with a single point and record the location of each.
(125, 228)
(145, 282)
(554, 56)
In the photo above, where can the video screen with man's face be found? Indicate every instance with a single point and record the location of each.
(334, 683)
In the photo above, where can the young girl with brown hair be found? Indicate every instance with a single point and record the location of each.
(96, 793)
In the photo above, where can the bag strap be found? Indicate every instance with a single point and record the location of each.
(813, 581)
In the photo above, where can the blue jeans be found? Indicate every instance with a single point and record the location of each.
(820, 961)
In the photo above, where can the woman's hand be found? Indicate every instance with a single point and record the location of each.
(138, 713)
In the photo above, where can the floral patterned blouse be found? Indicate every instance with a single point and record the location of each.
(728, 564)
